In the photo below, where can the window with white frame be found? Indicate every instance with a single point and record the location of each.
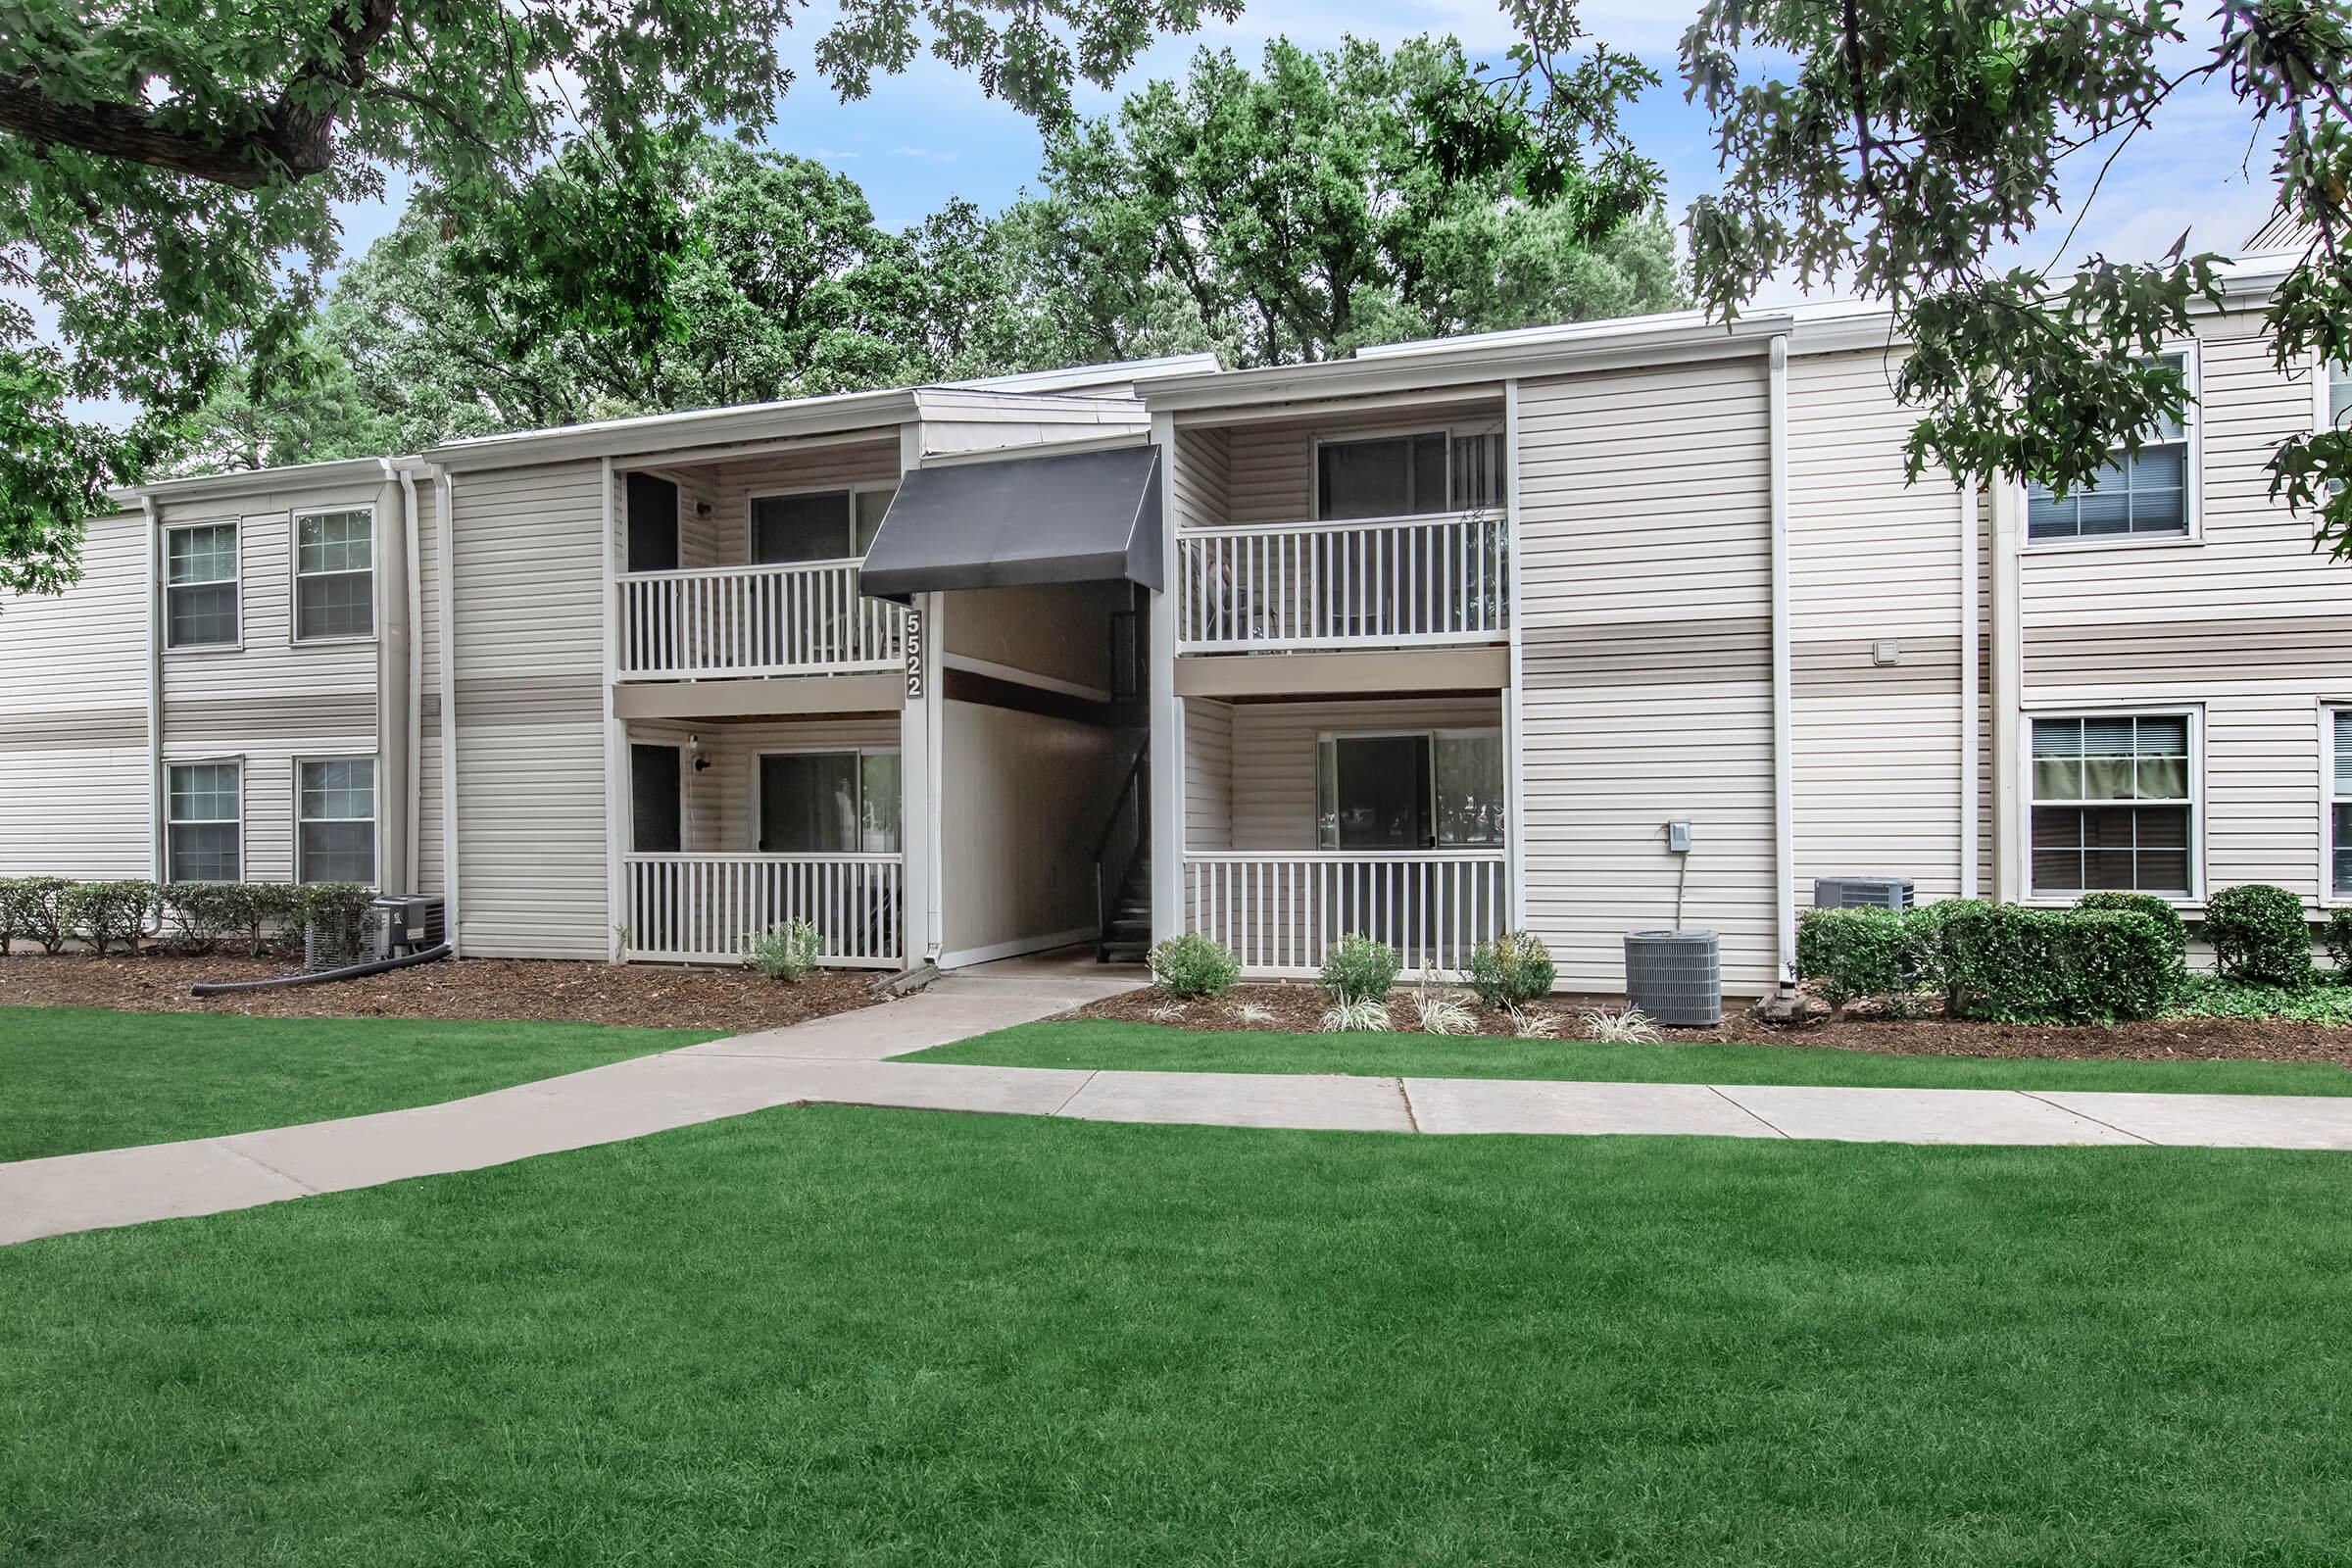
(817, 526)
(2340, 804)
(334, 575)
(2136, 495)
(2333, 413)
(203, 822)
(829, 803)
(200, 586)
(2113, 804)
(335, 819)
(1409, 475)
(1414, 790)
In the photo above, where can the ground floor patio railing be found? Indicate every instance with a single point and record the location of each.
(1281, 911)
(699, 908)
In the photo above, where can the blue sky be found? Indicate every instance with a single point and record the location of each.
(932, 133)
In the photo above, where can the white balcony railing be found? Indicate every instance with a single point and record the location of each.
(1379, 581)
(1281, 912)
(802, 620)
(698, 908)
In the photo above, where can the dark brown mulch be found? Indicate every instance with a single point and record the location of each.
(729, 999)
(1296, 1008)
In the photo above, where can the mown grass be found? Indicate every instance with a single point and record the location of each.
(1109, 1043)
(884, 1338)
(73, 1079)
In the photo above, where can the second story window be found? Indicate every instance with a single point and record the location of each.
(816, 525)
(1408, 475)
(200, 586)
(2145, 494)
(334, 575)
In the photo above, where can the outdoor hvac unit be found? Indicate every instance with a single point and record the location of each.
(403, 923)
(1862, 892)
(1675, 976)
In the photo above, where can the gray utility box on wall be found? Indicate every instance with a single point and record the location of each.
(1675, 976)
(1862, 892)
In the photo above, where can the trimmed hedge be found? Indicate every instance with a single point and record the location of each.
(110, 915)
(2001, 962)
(192, 916)
(28, 908)
(2337, 938)
(2260, 936)
(2176, 929)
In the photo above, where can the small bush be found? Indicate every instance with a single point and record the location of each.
(2260, 936)
(2160, 911)
(786, 950)
(2015, 964)
(1193, 965)
(2337, 936)
(1362, 1014)
(1359, 969)
(1847, 955)
(109, 914)
(266, 914)
(200, 915)
(28, 908)
(1512, 970)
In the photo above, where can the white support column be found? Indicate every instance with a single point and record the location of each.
(1167, 710)
(934, 608)
(156, 869)
(1515, 746)
(918, 797)
(1971, 699)
(616, 738)
(2008, 690)
(445, 524)
(1784, 766)
(415, 716)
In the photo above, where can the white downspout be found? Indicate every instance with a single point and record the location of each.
(155, 689)
(444, 524)
(2008, 675)
(1970, 696)
(415, 714)
(1784, 784)
(615, 733)
(1514, 719)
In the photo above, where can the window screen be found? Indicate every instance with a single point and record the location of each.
(2111, 805)
(334, 575)
(2144, 493)
(805, 527)
(1393, 477)
(202, 823)
(809, 802)
(2339, 808)
(335, 806)
(200, 586)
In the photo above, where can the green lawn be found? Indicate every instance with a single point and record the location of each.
(81, 1078)
(837, 1336)
(1107, 1043)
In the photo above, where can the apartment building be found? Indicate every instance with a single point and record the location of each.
(1429, 642)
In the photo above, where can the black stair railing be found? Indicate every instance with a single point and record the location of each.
(1124, 839)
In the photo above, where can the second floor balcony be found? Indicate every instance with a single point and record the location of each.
(1370, 582)
(719, 622)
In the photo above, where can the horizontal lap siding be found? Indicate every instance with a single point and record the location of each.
(1204, 471)
(1645, 603)
(530, 647)
(1207, 774)
(2249, 623)
(74, 787)
(1273, 757)
(1876, 750)
(728, 529)
(723, 799)
(1271, 466)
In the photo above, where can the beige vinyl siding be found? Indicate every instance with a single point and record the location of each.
(722, 802)
(74, 788)
(530, 647)
(1204, 464)
(817, 468)
(1208, 774)
(1272, 786)
(1876, 749)
(1030, 794)
(1645, 603)
(2248, 625)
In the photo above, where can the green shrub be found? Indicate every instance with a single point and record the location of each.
(2260, 936)
(1193, 965)
(201, 913)
(2015, 964)
(1512, 970)
(2160, 911)
(108, 915)
(786, 950)
(1359, 969)
(28, 908)
(266, 914)
(333, 915)
(2337, 936)
(2209, 996)
(1847, 955)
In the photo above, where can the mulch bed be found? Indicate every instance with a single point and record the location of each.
(1297, 1007)
(729, 999)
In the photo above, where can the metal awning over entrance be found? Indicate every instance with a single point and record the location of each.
(1080, 517)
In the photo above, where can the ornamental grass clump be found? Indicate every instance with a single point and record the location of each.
(1359, 969)
(786, 950)
(2260, 936)
(1364, 1014)
(1193, 965)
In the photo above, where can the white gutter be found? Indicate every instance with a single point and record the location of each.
(155, 689)
(1970, 696)
(445, 505)
(1515, 706)
(1783, 791)
(415, 714)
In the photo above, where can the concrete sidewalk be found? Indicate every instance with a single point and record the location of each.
(839, 1060)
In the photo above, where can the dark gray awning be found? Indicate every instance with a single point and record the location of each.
(1081, 516)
